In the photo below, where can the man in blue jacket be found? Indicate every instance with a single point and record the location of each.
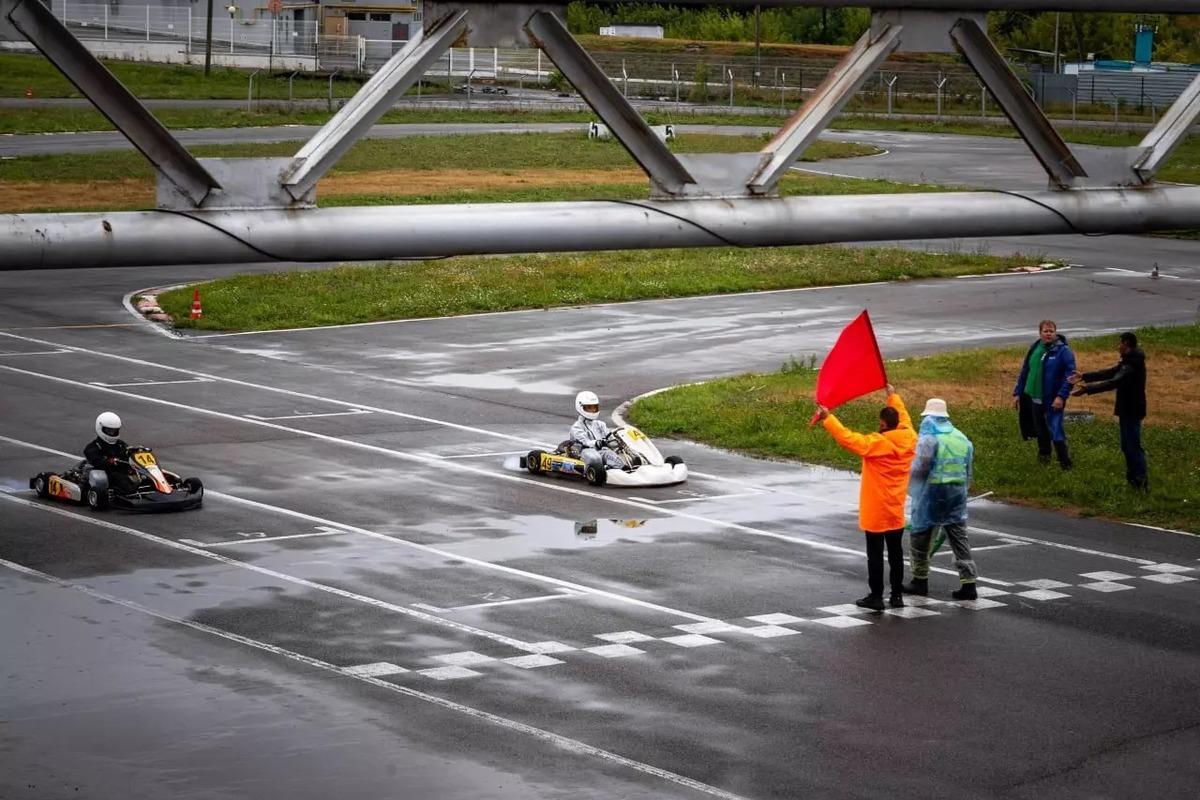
(1041, 391)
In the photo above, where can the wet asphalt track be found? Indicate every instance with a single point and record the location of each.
(437, 625)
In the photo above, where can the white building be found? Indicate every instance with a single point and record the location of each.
(635, 30)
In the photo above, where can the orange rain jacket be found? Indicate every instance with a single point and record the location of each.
(886, 459)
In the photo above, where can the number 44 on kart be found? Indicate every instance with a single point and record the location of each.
(644, 465)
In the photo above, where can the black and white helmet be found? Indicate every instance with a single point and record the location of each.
(587, 405)
(108, 427)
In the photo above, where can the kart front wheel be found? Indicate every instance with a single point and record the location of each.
(194, 486)
(596, 476)
(533, 462)
(673, 460)
(97, 500)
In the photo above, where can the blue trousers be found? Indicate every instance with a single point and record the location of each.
(1131, 447)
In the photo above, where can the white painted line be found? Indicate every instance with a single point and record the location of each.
(911, 612)
(845, 609)
(532, 661)
(624, 637)
(481, 455)
(1168, 568)
(1105, 586)
(987, 547)
(449, 673)
(978, 605)
(703, 498)
(923, 600)
(1168, 577)
(842, 622)
(558, 740)
(374, 670)
(34, 353)
(467, 658)
(563, 594)
(148, 383)
(258, 539)
(321, 587)
(708, 627)
(1163, 530)
(350, 413)
(691, 640)
(1059, 545)
(1105, 576)
(1042, 594)
(987, 591)
(770, 631)
(1044, 583)
(775, 619)
(614, 651)
(546, 648)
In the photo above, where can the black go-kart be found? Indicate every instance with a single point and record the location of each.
(149, 487)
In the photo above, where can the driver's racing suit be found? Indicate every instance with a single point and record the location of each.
(108, 457)
(589, 435)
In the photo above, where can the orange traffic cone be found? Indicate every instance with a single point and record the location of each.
(197, 312)
(29, 92)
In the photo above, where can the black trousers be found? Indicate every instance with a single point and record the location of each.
(876, 541)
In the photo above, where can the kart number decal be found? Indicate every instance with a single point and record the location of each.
(145, 459)
(57, 488)
(635, 434)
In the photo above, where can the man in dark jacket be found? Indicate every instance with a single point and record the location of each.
(1041, 391)
(1128, 377)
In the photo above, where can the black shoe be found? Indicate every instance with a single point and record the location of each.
(966, 592)
(896, 601)
(1064, 455)
(870, 601)
(916, 586)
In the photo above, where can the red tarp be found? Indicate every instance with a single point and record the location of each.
(853, 367)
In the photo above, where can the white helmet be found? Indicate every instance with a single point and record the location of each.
(108, 427)
(588, 405)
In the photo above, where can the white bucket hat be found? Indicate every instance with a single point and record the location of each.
(935, 407)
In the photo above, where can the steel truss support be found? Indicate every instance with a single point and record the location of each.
(823, 105)
(1172, 129)
(1048, 147)
(47, 241)
(371, 102)
(666, 172)
(35, 21)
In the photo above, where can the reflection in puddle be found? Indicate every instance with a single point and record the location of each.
(590, 529)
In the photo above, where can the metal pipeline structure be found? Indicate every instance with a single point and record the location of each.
(58, 241)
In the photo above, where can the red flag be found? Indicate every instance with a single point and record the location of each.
(853, 367)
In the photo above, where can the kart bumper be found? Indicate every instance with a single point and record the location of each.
(649, 475)
(150, 502)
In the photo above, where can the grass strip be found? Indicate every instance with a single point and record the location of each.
(767, 415)
(471, 285)
(498, 151)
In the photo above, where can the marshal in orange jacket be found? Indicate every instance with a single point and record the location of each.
(886, 459)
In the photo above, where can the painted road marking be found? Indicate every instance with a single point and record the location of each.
(911, 612)
(468, 658)
(1042, 594)
(532, 661)
(708, 627)
(988, 547)
(841, 622)
(770, 631)
(548, 648)
(624, 637)
(313, 415)
(699, 497)
(978, 605)
(845, 609)
(258, 537)
(987, 591)
(1044, 583)
(613, 651)
(374, 670)
(1105, 576)
(10, 353)
(691, 640)
(563, 594)
(775, 619)
(1106, 586)
(480, 455)
(563, 742)
(1168, 577)
(449, 673)
(148, 383)
(1168, 568)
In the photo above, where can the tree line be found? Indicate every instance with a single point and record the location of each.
(1080, 35)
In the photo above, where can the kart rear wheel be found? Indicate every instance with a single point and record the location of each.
(97, 500)
(596, 475)
(194, 486)
(533, 462)
(39, 486)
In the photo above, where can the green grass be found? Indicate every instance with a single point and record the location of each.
(470, 285)
(767, 415)
(515, 151)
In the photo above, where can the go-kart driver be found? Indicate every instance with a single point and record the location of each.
(589, 431)
(107, 452)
